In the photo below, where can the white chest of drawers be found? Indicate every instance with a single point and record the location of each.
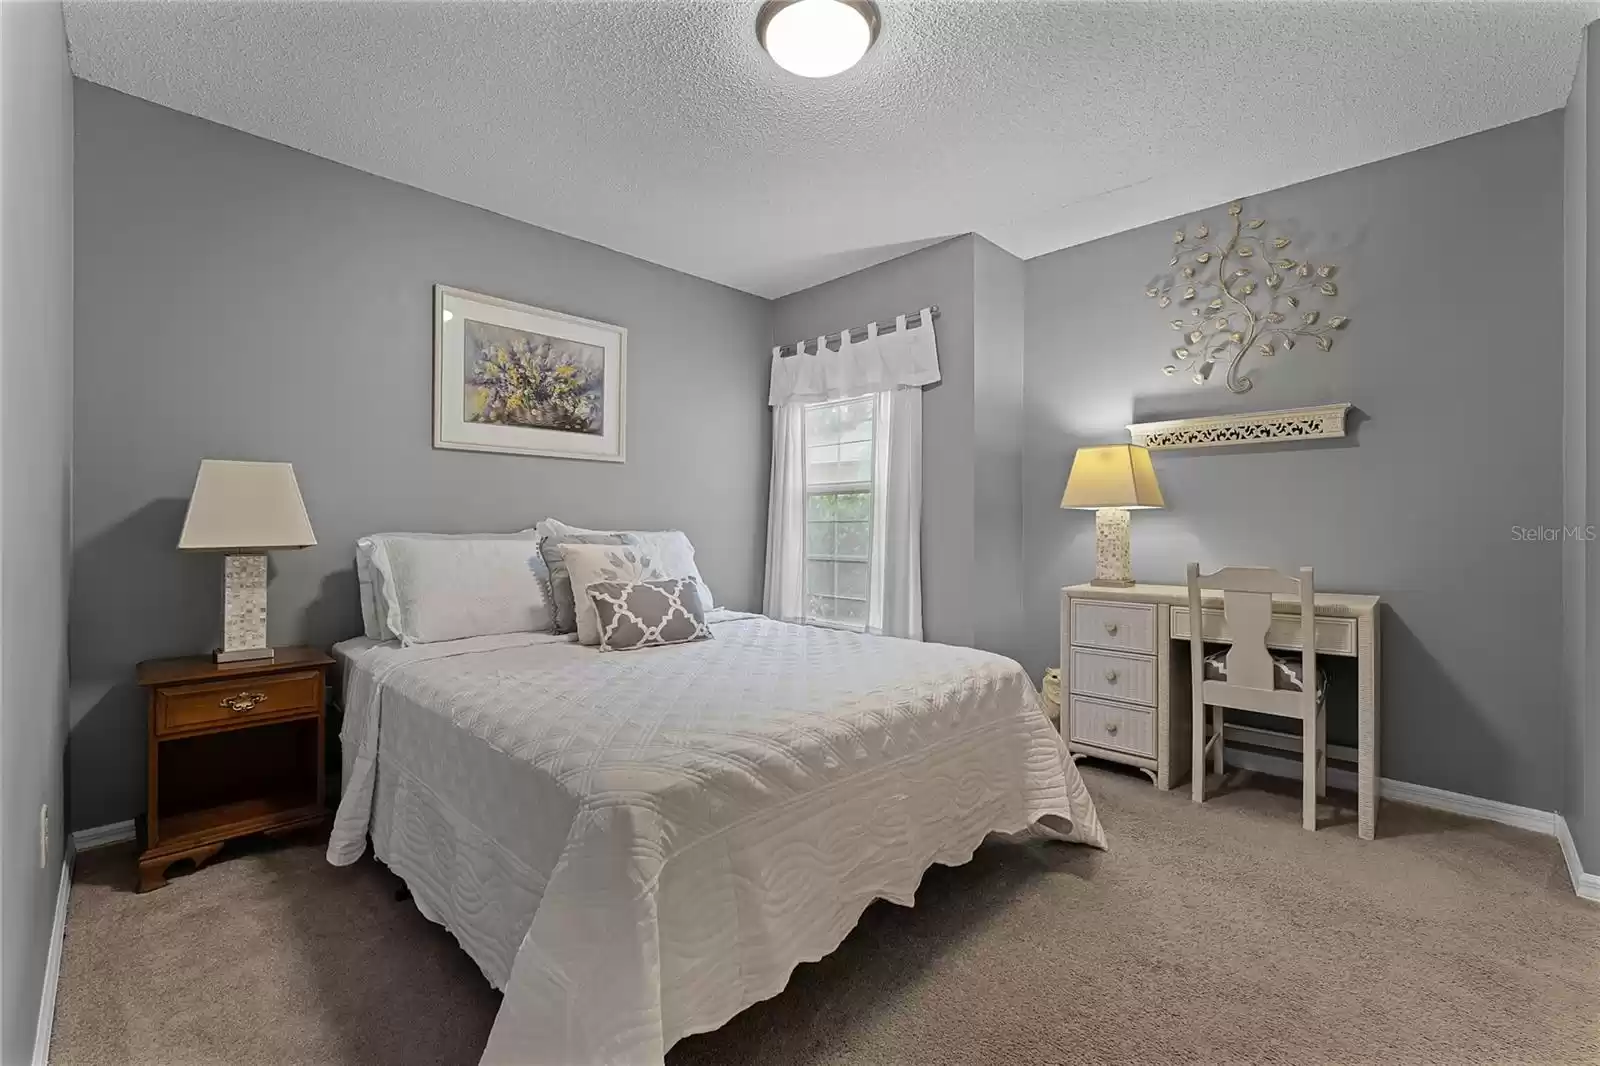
(1115, 680)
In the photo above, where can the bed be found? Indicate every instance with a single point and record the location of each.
(635, 846)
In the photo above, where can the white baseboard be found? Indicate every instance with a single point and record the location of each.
(1404, 791)
(52, 967)
(1471, 806)
(1586, 885)
(83, 840)
(102, 835)
(1549, 823)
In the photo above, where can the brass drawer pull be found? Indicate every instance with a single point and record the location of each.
(244, 701)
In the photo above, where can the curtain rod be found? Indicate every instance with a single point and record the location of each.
(859, 333)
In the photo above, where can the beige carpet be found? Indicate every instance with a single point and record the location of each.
(1221, 933)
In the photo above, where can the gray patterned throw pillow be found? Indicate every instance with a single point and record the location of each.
(641, 614)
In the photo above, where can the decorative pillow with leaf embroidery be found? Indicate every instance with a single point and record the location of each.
(642, 614)
(564, 595)
(591, 563)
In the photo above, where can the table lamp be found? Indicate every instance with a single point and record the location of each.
(1112, 479)
(245, 510)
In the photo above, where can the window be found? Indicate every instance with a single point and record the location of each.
(839, 447)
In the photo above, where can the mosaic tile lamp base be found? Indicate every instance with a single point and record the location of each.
(244, 609)
(1113, 566)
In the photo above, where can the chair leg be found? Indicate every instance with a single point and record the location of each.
(1216, 740)
(1309, 774)
(1197, 767)
(1322, 752)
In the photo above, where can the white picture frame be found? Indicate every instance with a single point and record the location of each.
(484, 349)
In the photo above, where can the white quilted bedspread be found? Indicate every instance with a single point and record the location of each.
(654, 839)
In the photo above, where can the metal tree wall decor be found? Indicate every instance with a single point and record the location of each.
(1243, 292)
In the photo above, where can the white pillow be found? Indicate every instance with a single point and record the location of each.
(449, 588)
(371, 625)
(670, 548)
(590, 564)
(373, 620)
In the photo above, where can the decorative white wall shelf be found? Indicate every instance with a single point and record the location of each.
(1255, 427)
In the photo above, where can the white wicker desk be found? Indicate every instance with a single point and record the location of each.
(1122, 700)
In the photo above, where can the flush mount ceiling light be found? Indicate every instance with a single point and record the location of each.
(817, 38)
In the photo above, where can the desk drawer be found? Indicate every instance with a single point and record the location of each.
(1335, 636)
(1113, 725)
(180, 708)
(1122, 677)
(1120, 626)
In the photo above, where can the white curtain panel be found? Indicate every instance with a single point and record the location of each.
(896, 600)
(892, 367)
(785, 597)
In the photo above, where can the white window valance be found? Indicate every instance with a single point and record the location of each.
(905, 357)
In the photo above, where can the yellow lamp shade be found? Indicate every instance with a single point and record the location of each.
(1112, 475)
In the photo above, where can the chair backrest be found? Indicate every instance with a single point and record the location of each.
(1247, 596)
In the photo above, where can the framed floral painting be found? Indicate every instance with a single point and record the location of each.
(512, 378)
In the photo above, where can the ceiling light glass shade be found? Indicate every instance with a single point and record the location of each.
(817, 38)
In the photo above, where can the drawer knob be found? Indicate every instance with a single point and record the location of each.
(1111, 677)
(244, 701)
(1111, 628)
(1111, 727)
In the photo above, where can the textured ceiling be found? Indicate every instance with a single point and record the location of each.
(660, 129)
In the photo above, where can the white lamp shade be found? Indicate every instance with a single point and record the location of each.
(1112, 475)
(245, 507)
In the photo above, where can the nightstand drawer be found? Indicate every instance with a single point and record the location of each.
(1122, 626)
(191, 706)
(1122, 677)
(1113, 725)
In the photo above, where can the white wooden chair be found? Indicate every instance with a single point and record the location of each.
(1250, 677)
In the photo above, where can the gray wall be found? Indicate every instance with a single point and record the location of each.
(1452, 278)
(35, 475)
(1587, 732)
(999, 292)
(240, 299)
(1581, 389)
(1574, 447)
(942, 275)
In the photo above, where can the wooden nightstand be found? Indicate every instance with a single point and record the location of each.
(235, 749)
